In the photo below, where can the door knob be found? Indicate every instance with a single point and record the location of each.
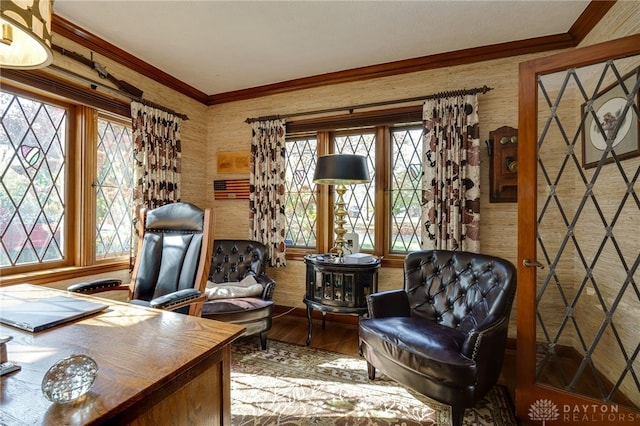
(529, 263)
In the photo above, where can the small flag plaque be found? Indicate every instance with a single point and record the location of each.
(231, 189)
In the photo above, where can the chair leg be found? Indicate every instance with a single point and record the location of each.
(263, 340)
(457, 416)
(371, 370)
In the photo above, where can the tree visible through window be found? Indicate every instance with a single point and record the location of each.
(386, 213)
(114, 188)
(300, 196)
(33, 140)
(406, 188)
(52, 152)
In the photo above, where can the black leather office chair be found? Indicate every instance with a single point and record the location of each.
(172, 263)
(445, 333)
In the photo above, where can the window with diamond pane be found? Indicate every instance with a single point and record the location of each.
(300, 195)
(360, 199)
(114, 188)
(406, 188)
(588, 295)
(33, 139)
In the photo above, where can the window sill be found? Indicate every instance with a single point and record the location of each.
(47, 276)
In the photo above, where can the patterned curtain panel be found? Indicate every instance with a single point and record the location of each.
(157, 157)
(267, 188)
(451, 180)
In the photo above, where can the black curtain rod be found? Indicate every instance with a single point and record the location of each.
(447, 94)
(162, 108)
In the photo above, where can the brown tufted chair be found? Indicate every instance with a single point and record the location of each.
(233, 260)
(445, 333)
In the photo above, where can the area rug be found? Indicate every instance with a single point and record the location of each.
(295, 386)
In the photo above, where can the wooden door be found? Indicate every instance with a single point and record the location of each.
(578, 302)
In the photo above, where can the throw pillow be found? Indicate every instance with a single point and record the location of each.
(248, 287)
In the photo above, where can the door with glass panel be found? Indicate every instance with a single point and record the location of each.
(578, 305)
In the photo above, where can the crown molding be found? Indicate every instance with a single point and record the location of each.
(592, 14)
(94, 43)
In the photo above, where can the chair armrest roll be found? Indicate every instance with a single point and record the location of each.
(392, 303)
(492, 333)
(97, 286)
(268, 285)
(176, 299)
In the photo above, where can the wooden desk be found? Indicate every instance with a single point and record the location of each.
(155, 367)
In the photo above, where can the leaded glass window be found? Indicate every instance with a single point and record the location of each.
(114, 188)
(33, 144)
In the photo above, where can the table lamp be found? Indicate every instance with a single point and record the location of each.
(341, 170)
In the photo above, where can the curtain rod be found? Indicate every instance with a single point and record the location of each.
(96, 84)
(162, 108)
(484, 89)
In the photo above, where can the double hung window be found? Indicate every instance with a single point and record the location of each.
(65, 184)
(386, 212)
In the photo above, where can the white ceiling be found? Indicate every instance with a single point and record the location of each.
(222, 46)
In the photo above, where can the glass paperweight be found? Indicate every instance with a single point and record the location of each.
(69, 378)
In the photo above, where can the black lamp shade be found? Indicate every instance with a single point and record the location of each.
(341, 169)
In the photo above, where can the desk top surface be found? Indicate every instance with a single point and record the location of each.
(137, 350)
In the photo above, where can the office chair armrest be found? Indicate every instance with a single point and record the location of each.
(392, 303)
(178, 299)
(97, 286)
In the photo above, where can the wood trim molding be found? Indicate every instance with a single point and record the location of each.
(94, 43)
(589, 18)
(594, 12)
(459, 57)
(41, 80)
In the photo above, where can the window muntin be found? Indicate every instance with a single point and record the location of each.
(360, 199)
(300, 193)
(393, 151)
(114, 188)
(406, 188)
(43, 222)
(33, 180)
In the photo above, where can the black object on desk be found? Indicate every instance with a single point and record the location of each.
(339, 288)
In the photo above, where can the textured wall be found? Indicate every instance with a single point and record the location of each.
(610, 275)
(228, 131)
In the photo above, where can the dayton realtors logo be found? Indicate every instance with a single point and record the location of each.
(545, 410)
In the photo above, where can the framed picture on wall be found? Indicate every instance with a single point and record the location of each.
(609, 106)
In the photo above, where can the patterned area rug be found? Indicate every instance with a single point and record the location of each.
(296, 385)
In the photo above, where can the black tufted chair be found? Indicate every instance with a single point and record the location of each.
(445, 333)
(233, 260)
(172, 260)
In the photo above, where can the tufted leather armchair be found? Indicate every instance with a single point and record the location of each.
(233, 260)
(172, 261)
(445, 333)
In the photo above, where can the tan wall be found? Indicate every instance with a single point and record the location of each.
(228, 131)
(499, 107)
(609, 274)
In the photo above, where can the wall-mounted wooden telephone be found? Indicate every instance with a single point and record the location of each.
(503, 169)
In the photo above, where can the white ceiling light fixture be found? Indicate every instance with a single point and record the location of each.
(26, 34)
